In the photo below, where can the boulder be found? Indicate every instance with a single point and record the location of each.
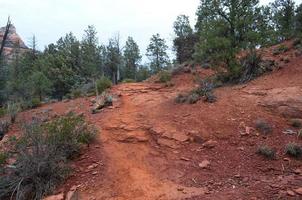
(102, 102)
(285, 101)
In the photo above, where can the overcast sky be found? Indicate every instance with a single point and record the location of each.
(51, 19)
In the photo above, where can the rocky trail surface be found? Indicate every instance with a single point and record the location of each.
(150, 148)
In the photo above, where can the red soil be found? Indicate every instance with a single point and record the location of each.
(137, 159)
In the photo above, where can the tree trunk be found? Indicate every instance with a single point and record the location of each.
(5, 36)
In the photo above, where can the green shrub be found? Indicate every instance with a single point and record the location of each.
(103, 84)
(297, 123)
(68, 133)
(280, 49)
(193, 98)
(2, 111)
(4, 125)
(76, 93)
(294, 150)
(297, 42)
(266, 152)
(12, 110)
(204, 90)
(42, 155)
(164, 76)
(181, 98)
(128, 80)
(263, 126)
(3, 158)
(35, 102)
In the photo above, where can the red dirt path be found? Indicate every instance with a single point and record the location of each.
(142, 151)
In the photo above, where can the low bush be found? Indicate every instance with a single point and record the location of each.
(76, 93)
(164, 76)
(68, 132)
(193, 98)
(263, 126)
(103, 84)
(297, 123)
(294, 150)
(35, 102)
(4, 125)
(128, 80)
(2, 111)
(205, 91)
(297, 42)
(181, 98)
(280, 49)
(3, 158)
(267, 152)
(12, 110)
(42, 155)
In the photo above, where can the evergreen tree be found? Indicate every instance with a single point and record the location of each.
(132, 58)
(69, 48)
(40, 85)
(298, 21)
(90, 54)
(283, 17)
(114, 59)
(157, 54)
(185, 39)
(225, 27)
(182, 27)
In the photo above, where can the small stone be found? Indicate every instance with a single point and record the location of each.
(210, 144)
(297, 171)
(290, 193)
(241, 148)
(204, 164)
(185, 159)
(237, 176)
(181, 137)
(92, 166)
(94, 173)
(286, 159)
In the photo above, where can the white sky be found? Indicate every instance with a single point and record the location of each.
(51, 19)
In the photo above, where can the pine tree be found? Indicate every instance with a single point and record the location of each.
(90, 54)
(157, 53)
(132, 58)
(298, 21)
(283, 17)
(114, 59)
(185, 39)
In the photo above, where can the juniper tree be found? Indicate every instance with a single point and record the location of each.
(224, 28)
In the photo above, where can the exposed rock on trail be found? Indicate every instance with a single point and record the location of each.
(285, 101)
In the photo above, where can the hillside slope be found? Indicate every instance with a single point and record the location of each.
(150, 148)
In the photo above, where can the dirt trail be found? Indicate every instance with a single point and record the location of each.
(125, 137)
(150, 148)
